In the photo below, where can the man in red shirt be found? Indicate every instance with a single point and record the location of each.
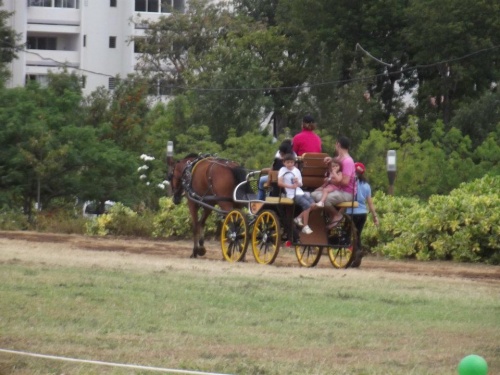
(307, 140)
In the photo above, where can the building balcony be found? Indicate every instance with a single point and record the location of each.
(49, 58)
(53, 16)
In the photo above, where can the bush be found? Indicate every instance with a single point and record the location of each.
(60, 221)
(173, 220)
(13, 220)
(463, 226)
(121, 221)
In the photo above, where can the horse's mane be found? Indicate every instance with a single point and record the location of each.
(191, 155)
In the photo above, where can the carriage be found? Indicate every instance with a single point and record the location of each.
(265, 225)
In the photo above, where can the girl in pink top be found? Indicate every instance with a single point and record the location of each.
(332, 180)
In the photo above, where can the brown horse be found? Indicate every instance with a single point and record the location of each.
(206, 181)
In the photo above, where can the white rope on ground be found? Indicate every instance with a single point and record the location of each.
(137, 367)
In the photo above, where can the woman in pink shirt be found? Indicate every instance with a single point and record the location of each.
(345, 192)
(307, 140)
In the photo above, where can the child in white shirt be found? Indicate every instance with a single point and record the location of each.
(290, 178)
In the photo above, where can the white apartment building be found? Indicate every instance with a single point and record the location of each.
(90, 37)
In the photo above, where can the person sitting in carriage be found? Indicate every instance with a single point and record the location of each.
(290, 178)
(285, 148)
(346, 189)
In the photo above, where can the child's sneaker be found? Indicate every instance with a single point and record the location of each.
(298, 221)
(320, 204)
(307, 230)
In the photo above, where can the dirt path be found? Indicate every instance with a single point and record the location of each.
(143, 253)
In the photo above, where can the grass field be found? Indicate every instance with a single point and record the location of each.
(215, 319)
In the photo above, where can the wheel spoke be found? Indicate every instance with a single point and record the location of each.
(234, 238)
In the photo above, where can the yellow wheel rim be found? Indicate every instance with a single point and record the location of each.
(307, 255)
(234, 236)
(266, 239)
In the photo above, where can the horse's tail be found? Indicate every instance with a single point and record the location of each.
(240, 175)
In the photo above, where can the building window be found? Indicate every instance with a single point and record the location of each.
(66, 4)
(83, 81)
(152, 6)
(111, 83)
(168, 6)
(112, 3)
(42, 80)
(140, 5)
(40, 3)
(41, 42)
(112, 42)
(159, 87)
(85, 40)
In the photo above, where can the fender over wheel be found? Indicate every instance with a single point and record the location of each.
(266, 237)
(234, 236)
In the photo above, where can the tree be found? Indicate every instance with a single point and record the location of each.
(36, 162)
(7, 44)
(454, 46)
(479, 118)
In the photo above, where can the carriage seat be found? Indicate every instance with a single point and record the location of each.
(313, 170)
(348, 204)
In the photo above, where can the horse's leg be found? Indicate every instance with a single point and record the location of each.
(201, 227)
(193, 210)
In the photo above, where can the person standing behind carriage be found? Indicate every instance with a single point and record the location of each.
(307, 140)
(360, 213)
(345, 193)
(290, 178)
(285, 148)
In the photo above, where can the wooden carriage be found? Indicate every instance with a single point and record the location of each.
(266, 224)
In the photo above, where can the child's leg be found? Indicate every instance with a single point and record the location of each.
(324, 194)
(305, 216)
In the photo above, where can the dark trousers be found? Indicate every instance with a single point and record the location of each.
(359, 222)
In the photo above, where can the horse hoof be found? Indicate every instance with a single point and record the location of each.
(201, 251)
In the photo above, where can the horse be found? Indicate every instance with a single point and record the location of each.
(206, 181)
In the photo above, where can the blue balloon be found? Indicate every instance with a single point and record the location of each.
(473, 365)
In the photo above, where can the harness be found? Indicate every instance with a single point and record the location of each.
(209, 195)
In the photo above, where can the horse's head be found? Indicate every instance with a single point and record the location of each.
(176, 178)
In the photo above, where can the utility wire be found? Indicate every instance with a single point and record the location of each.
(371, 56)
(296, 87)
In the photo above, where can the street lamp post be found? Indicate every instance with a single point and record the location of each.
(391, 169)
(170, 149)
(170, 163)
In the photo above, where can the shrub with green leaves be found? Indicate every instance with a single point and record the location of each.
(120, 221)
(13, 220)
(175, 220)
(462, 226)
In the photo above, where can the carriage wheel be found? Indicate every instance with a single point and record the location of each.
(234, 236)
(308, 255)
(343, 239)
(266, 237)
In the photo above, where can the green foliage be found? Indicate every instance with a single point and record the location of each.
(120, 221)
(175, 221)
(60, 220)
(195, 139)
(8, 45)
(425, 167)
(13, 220)
(252, 150)
(463, 226)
